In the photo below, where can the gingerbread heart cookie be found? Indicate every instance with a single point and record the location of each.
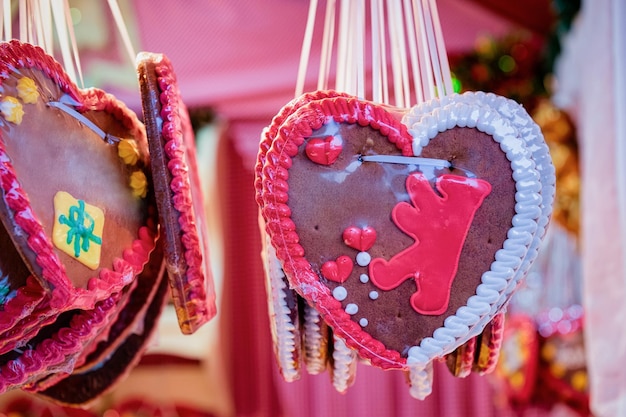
(76, 201)
(178, 192)
(130, 317)
(406, 243)
(114, 357)
(299, 334)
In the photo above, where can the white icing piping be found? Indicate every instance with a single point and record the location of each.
(314, 341)
(421, 380)
(425, 122)
(285, 346)
(344, 365)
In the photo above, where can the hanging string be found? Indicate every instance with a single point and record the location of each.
(39, 20)
(441, 49)
(377, 50)
(123, 30)
(410, 24)
(60, 13)
(405, 38)
(7, 21)
(306, 48)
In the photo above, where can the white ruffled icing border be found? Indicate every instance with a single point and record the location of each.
(420, 380)
(344, 365)
(427, 120)
(314, 341)
(531, 134)
(285, 333)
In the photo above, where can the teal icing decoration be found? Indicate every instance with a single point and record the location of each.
(5, 289)
(81, 226)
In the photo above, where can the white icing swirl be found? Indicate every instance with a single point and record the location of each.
(314, 341)
(521, 140)
(284, 330)
(344, 365)
(421, 381)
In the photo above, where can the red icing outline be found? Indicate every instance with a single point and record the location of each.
(16, 55)
(272, 191)
(430, 220)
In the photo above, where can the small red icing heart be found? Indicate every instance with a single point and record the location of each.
(361, 239)
(338, 270)
(324, 151)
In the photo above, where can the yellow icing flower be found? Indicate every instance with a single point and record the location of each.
(579, 380)
(27, 90)
(78, 228)
(12, 110)
(139, 184)
(128, 151)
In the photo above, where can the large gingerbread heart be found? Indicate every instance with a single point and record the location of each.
(76, 200)
(406, 258)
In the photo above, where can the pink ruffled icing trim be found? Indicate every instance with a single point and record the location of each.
(57, 353)
(283, 230)
(171, 112)
(271, 132)
(22, 304)
(63, 296)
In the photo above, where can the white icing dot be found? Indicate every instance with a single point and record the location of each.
(363, 322)
(363, 258)
(340, 293)
(352, 308)
(364, 278)
(373, 295)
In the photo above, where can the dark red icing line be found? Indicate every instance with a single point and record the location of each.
(274, 191)
(18, 55)
(435, 222)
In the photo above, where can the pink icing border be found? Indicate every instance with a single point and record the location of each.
(200, 296)
(272, 131)
(130, 310)
(282, 229)
(17, 55)
(276, 295)
(27, 299)
(56, 353)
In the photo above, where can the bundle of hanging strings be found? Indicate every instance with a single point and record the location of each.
(93, 233)
(398, 217)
